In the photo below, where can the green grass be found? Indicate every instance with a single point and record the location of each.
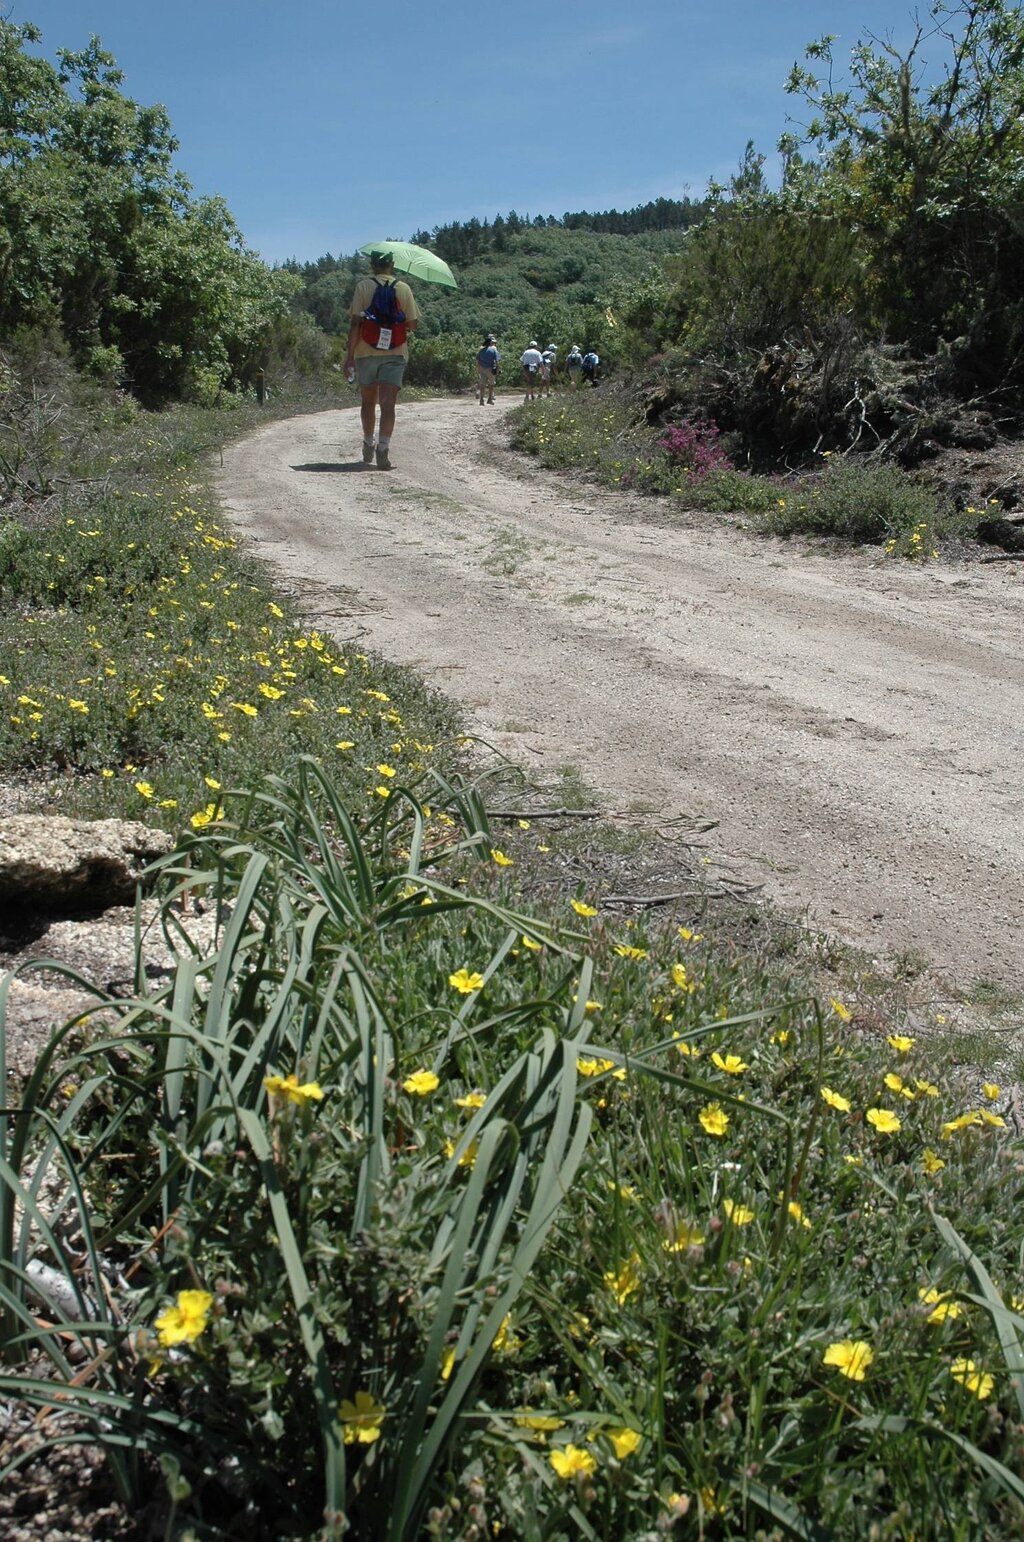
(593, 1280)
(149, 661)
(854, 501)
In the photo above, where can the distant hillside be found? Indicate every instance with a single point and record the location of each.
(520, 277)
(551, 281)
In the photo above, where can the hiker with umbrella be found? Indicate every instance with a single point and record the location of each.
(382, 314)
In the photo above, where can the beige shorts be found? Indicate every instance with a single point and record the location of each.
(382, 369)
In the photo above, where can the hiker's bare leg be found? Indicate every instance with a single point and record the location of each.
(368, 410)
(388, 395)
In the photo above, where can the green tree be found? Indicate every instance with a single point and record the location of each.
(101, 237)
(929, 172)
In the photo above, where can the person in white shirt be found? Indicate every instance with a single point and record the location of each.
(549, 359)
(532, 362)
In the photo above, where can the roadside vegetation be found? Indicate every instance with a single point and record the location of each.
(857, 501)
(441, 1195)
(437, 1189)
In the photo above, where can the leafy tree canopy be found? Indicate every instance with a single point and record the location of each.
(102, 240)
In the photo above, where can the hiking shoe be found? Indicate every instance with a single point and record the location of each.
(367, 454)
(383, 462)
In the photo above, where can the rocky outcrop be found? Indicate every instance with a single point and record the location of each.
(54, 863)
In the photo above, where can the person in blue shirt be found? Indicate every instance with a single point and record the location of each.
(487, 361)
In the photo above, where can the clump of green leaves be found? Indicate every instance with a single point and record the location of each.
(97, 227)
(862, 502)
(856, 500)
(438, 1214)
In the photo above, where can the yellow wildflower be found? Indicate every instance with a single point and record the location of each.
(505, 1341)
(583, 910)
(851, 1357)
(836, 1100)
(464, 982)
(883, 1120)
(468, 1157)
(287, 1090)
(183, 1322)
(970, 1376)
(714, 1119)
(731, 1064)
(943, 1307)
(684, 1236)
(573, 1461)
(362, 1419)
(961, 1122)
(420, 1083)
(542, 1423)
(594, 1067)
(624, 1441)
(622, 1282)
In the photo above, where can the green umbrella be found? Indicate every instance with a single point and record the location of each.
(416, 261)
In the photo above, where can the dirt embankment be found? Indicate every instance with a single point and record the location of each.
(855, 725)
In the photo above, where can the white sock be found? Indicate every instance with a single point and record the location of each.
(383, 443)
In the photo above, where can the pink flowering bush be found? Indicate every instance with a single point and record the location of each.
(694, 449)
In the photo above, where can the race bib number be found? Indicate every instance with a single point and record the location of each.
(384, 341)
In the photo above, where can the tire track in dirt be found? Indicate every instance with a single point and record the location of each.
(855, 725)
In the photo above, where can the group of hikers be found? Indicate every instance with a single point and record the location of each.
(539, 368)
(382, 315)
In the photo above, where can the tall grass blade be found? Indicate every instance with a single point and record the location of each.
(992, 1302)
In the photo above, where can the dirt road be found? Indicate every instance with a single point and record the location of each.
(856, 725)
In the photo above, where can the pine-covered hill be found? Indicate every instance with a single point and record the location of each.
(543, 278)
(550, 281)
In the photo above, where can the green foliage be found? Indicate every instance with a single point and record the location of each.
(547, 282)
(386, 1248)
(464, 242)
(140, 646)
(99, 235)
(603, 1278)
(718, 1259)
(855, 500)
(445, 361)
(862, 502)
(926, 166)
(884, 276)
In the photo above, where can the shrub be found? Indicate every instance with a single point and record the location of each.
(868, 503)
(694, 449)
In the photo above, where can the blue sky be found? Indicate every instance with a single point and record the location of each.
(326, 123)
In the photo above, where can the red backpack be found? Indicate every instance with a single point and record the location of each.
(384, 319)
